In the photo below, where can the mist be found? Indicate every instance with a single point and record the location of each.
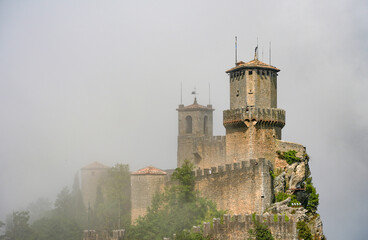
(99, 81)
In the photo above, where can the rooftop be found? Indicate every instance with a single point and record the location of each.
(149, 171)
(195, 105)
(95, 165)
(255, 63)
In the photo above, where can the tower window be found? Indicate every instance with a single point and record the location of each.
(188, 124)
(237, 93)
(250, 72)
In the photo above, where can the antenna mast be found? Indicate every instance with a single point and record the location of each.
(209, 93)
(270, 54)
(181, 92)
(262, 54)
(236, 49)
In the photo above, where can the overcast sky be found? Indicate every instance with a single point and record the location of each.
(85, 81)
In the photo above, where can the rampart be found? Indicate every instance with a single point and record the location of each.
(240, 188)
(272, 116)
(237, 227)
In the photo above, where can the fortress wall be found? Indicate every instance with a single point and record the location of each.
(284, 146)
(237, 227)
(144, 187)
(203, 152)
(212, 152)
(240, 187)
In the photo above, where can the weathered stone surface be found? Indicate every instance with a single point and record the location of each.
(297, 176)
(300, 214)
(279, 183)
(316, 226)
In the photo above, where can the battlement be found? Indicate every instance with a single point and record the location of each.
(206, 138)
(237, 227)
(241, 187)
(104, 235)
(244, 116)
(243, 166)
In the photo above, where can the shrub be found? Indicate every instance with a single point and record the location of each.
(281, 196)
(289, 156)
(313, 198)
(304, 231)
(260, 231)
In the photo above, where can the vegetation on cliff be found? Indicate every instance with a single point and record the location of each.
(296, 195)
(260, 231)
(289, 156)
(304, 231)
(178, 208)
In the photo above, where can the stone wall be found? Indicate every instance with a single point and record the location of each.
(144, 187)
(239, 188)
(237, 227)
(253, 87)
(203, 152)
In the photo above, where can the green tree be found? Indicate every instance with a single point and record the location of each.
(178, 208)
(17, 226)
(63, 222)
(313, 196)
(304, 231)
(260, 231)
(112, 208)
(40, 208)
(56, 228)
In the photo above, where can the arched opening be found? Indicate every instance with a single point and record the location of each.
(205, 125)
(188, 124)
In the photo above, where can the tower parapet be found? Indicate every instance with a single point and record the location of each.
(268, 116)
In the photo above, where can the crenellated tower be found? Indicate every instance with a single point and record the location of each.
(253, 123)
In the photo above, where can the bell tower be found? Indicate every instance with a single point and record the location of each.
(253, 122)
(195, 125)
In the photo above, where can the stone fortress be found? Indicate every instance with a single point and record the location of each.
(233, 170)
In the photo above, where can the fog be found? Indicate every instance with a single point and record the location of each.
(85, 81)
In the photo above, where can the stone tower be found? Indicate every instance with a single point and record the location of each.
(253, 123)
(145, 183)
(196, 142)
(91, 175)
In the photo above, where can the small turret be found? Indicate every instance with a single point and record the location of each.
(253, 84)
